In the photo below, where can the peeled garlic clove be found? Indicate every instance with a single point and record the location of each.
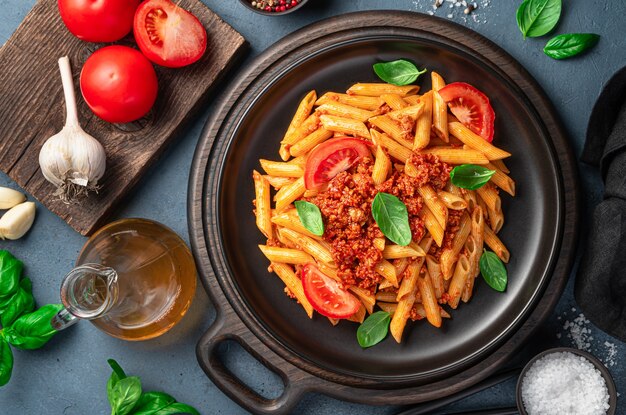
(17, 221)
(10, 198)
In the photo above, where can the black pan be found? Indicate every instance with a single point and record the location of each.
(430, 363)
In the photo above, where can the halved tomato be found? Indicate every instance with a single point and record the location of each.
(331, 158)
(325, 294)
(471, 107)
(169, 35)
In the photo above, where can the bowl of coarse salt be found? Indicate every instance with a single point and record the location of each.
(566, 381)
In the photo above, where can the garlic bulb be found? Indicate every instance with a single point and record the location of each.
(72, 160)
(17, 221)
(10, 198)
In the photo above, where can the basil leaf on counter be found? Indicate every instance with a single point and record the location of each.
(124, 395)
(21, 302)
(33, 330)
(400, 72)
(178, 408)
(538, 17)
(570, 44)
(493, 271)
(310, 216)
(392, 218)
(374, 329)
(470, 176)
(6, 361)
(10, 271)
(151, 403)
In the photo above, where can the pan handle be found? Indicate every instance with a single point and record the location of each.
(224, 329)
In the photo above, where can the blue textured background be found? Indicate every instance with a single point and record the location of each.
(69, 375)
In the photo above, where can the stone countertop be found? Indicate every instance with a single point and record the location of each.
(69, 375)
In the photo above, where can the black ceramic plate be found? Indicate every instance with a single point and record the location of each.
(249, 126)
(531, 232)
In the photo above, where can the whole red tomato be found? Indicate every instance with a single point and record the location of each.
(98, 20)
(119, 84)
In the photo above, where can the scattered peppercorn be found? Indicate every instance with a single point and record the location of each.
(274, 6)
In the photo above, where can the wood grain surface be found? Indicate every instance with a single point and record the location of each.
(237, 321)
(32, 108)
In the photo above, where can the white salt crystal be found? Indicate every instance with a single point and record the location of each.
(564, 383)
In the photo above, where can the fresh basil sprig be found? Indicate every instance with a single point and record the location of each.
(6, 361)
(374, 329)
(493, 271)
(538, 17)
(10, 271)
(126, 397)
(310, 216)
(470, 176)
(400, 72)
(33, 330)
(20, 303)
(392, 218)
(570, 44)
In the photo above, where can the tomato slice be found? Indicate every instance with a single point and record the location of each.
(325, 294)
(331, 158)
(169, 35)
(471, 107)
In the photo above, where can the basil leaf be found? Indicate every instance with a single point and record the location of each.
(117, 369)
(178, 408)
(493, 271)
(6, 362)
(399, 72)
(21, 302)
(392, 218)
(570, 44)
(124, 395)
(538, 17)
(10, 271)
(470, 176)
(374, 329)
(310, 216)
(150, 403)
(33, 330)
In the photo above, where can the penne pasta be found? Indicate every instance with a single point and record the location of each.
(400, 264)
(499, 164)
(496, 245)
(358, 101)
(302, 112)
(344, 110)
(473, 256)
(387, 296)
(452, 201)
(457, 155)
(293, 283)
(308, 245)
(393, 129)
(292, 221)
(382, 166)
(401, 315)
(476, 142)
(394, 101)
(489, 194)
(344, 126)
(278, 182)
(424, 122)
(412, 112)
(501, 180)
(429, 299)
(288, 194)
(457, 284)
(436, 277)
(388, 307)
(307, 143)
(412, 99)
(397, 251)
(395, 150)
(388, 271)
(449, 255)
(434, 204)
(280, 169)
(359, 316)
(378, 89)
(440, 117)
(285, 255)
(379, 243)
(432, 224)
(263, 204)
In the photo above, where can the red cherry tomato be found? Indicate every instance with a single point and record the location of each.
(331, 158)
(325, 294)
(98, 21)
(119, 84)
(169, 35)
(471, 107)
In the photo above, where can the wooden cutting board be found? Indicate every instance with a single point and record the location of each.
(32, 108)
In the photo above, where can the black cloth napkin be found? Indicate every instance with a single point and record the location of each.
(600, 288)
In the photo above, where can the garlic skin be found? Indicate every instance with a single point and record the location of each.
(10, 198)
(72, 160)
(17, 221)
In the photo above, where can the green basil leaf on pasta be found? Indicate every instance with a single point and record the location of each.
(570, 44)
(493, 271)
(470, 176)
(399, 72)
(392, 218)
(538, 17)
(374, 329)
(310, 216)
